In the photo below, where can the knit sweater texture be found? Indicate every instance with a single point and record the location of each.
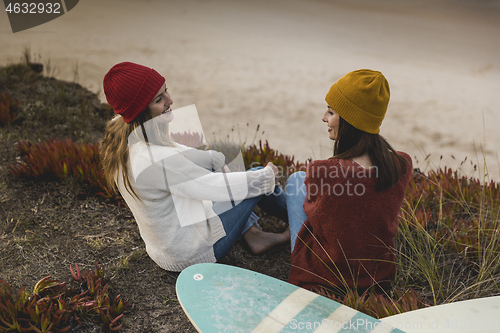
(177, 187)
(348, 237)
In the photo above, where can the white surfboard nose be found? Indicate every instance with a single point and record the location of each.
(471, 316)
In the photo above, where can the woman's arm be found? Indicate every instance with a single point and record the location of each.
(180, 176)
(207, 159)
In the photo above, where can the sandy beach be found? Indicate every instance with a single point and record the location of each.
(272, 63)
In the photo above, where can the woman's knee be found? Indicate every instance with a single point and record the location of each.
(295, 185)
(296, 179)
(298, 175)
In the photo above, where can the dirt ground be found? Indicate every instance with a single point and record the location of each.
(46, 226)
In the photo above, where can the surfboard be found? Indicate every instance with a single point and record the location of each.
(223, 298)
(475, 315)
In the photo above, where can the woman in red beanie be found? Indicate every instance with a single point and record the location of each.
(170, 188)
(343, 212)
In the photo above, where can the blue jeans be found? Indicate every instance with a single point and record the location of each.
(295, 196)
(240, 218)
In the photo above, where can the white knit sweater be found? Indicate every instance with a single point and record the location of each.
(176, 187)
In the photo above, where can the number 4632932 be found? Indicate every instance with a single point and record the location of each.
(33, 8)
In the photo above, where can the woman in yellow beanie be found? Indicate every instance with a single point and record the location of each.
(343, 212)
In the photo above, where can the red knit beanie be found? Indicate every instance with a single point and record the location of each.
(129, 88)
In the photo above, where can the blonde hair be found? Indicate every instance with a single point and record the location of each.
(114, 149)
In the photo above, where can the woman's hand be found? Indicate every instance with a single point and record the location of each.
(273, 167)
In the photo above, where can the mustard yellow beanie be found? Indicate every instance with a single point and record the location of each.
(361, 99)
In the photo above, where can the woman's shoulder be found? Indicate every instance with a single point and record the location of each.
(332, 169)
(322, 164)
(143, 156)
(141, 149)
(334, 162)
(405, 155)
(409, 165)
(325, 162)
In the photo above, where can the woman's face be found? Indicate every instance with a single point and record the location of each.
(331, 118)
(160, 105)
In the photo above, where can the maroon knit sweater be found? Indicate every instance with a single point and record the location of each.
(350, 227)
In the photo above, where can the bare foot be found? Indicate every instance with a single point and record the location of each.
(259, 241)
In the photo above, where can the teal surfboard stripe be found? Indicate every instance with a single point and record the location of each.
(281, 315)
(320, 307)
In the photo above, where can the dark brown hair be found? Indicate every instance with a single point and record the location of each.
(352, 142)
